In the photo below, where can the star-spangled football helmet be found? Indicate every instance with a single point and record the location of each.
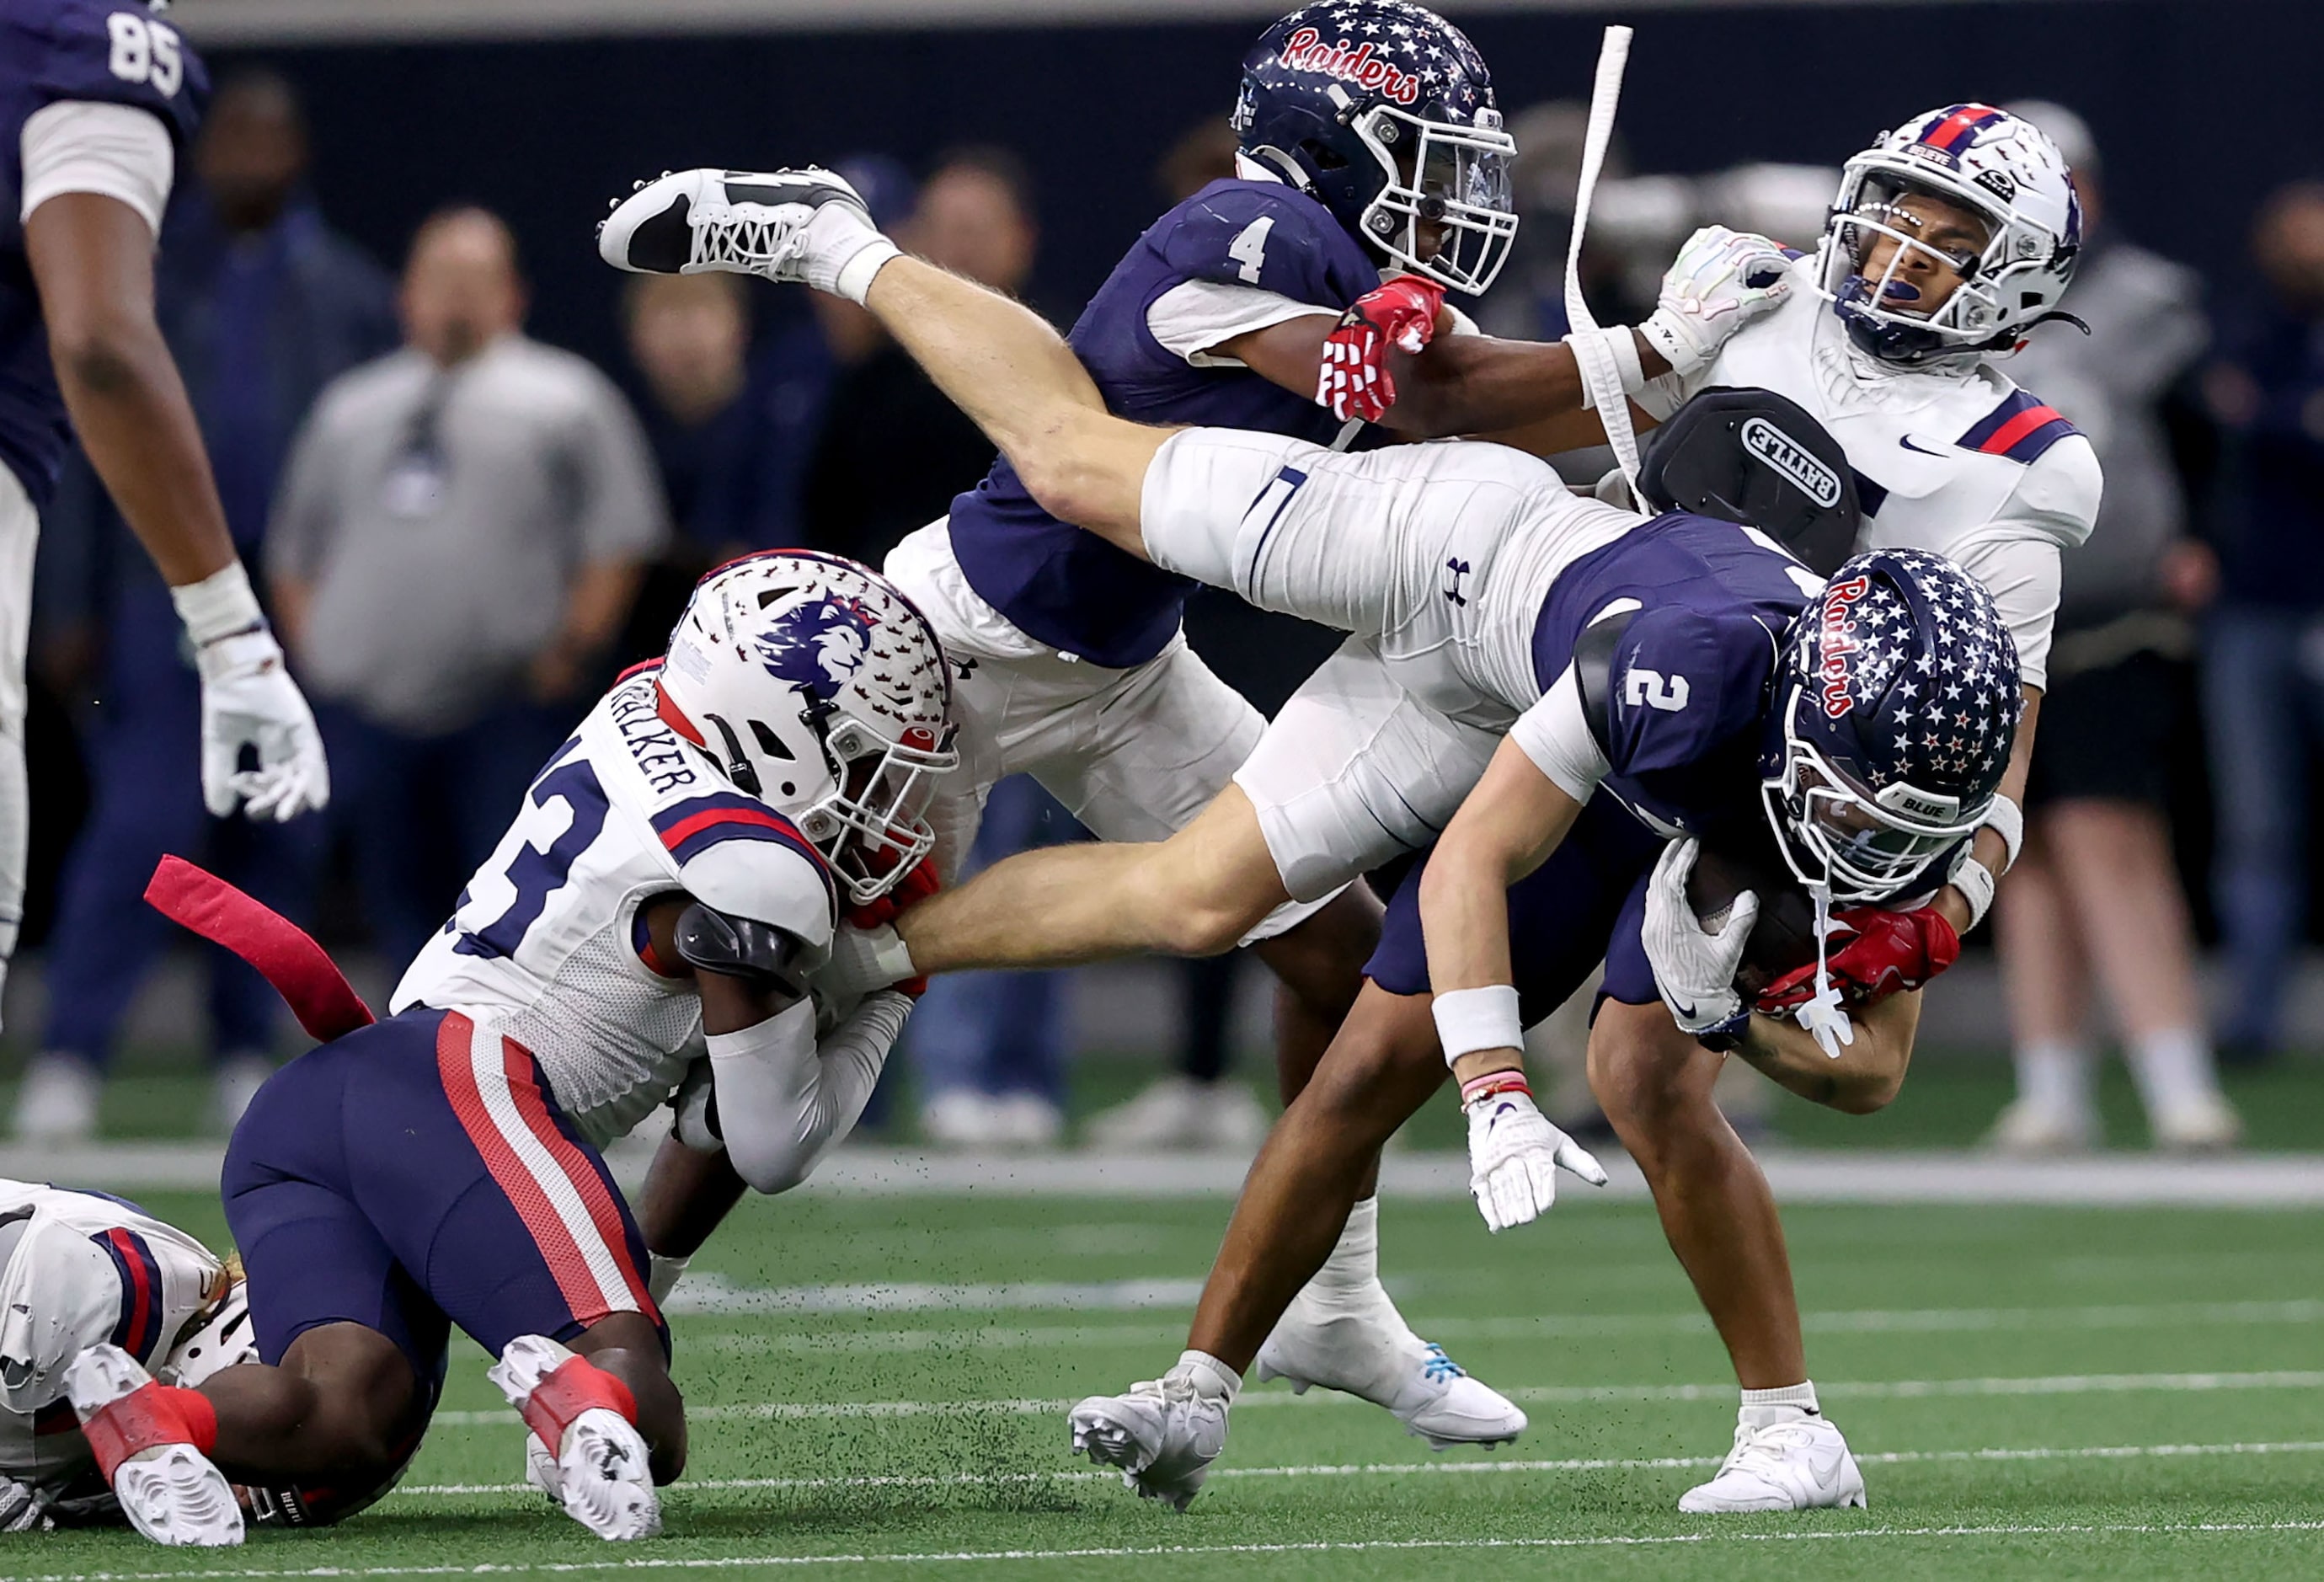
(813, 684)
(1383, 111)
(1999, 166)
(1896, 702)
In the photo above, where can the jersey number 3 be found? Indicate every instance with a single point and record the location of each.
(537, 872)
(146, 51)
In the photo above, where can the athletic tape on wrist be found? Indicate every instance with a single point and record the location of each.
(1975, 881)
(853, 281)
(2006, 818)
(219, 606)
(1469, 1019)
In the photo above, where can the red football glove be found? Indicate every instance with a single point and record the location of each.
(910, 890)
(1353, 379)
(1885, 951)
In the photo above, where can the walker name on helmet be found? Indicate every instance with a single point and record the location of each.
(1383, 111)
(1897, 702)
(1999, 167)
(811, 683)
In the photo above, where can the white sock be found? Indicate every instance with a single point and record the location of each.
(1209, 1375)
(2054, 1074)
(1355, 1262)
(1762, 1408)
(2172, 1067)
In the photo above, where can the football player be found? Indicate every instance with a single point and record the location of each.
(1370, 142)
(1514, 647)
(651, 926)
(1951, 239)
(97, 100)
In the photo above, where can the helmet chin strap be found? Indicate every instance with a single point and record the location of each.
(1824, 1016)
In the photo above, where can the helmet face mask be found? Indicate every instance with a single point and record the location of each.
(1448, 211)
(1868, 846)
(811, 683)
(1967, 163)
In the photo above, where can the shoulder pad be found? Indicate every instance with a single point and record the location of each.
(2059, 494)
(1259, 234)
(1681, 681)
(739, 857)
(2020, 428)
(117, 51)
(741, 947)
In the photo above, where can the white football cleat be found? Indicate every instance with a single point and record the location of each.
(601, 1475)
(2200, 1122)
(1359, 1343)
(802, 225)
(169, 1490)
(1161, 1437)
(1801, 1463)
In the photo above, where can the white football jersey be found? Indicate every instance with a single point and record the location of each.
(77, 1269)
(547, 943)
(1963, 464)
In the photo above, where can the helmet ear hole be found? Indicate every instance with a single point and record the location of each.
(769, 743)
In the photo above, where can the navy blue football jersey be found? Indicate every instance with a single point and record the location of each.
(1069, 588)
(1680, 708)
(112, 50)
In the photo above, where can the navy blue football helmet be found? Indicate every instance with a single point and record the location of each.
(1896, 703)
(1383, 111)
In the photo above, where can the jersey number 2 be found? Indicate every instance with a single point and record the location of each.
(538, 872)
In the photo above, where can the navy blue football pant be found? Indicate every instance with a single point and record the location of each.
(423, 812)
(145, 776)
(418, 1173)
(1586, 904)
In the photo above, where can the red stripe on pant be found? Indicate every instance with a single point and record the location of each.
(604, 1212)
(454, 1043)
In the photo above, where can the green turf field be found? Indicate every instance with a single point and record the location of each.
(2124, 1394)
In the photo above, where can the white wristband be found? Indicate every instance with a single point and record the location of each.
(663, 1275)
(2007, 820)
(1975, 881)
(854, 278)
(1610, 361)
(219, 606)
(1469, 1019)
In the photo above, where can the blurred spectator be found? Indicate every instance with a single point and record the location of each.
(986, 1047)
(2094, 900)
(263, 305)
(893, 451)
(454, 549)
(688, 337)
(2263, 654)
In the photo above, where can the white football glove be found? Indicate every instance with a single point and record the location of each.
(249, 701)
(1514, 1153)
(693, 1118)
(1722, 281)
(21, 1508)
(1694, 968)
(861, 960)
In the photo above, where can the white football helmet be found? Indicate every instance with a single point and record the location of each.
(1999, 166)
(221, 1341)
(811, 683)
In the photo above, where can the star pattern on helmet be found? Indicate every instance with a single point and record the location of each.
(1916, 646)
(1406, 38)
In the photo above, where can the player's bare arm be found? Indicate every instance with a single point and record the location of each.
(1510, 823)
(93, 258)
(1867, 1074)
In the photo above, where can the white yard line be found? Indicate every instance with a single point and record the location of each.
(1839, 1390)
(853, 1340)
(1850, 1177)
(1494, 1468)
(1197, 1551)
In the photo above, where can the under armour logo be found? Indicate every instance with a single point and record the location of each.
(1458, 569)
(967, 668)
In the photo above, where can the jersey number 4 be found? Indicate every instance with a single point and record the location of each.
(147, 52)
(537, 872)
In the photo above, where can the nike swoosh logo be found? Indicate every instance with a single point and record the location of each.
(1906, 441)
(1684, 1010)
